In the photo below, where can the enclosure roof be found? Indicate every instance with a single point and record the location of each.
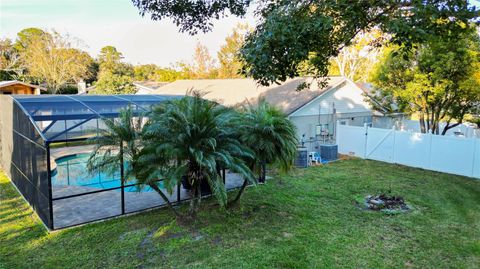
(46, 110)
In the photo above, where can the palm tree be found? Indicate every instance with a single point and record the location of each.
(117, 145)
(271, 136)
(191, 137)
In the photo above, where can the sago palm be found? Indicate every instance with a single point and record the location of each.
(118, 145)
(192, 137)
(270, 135)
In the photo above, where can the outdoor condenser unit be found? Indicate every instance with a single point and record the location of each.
(329, 152)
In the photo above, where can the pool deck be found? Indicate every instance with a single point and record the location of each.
(91, 207)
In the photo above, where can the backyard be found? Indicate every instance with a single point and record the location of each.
(307, 219)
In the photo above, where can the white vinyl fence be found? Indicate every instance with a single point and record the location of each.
(448, 154)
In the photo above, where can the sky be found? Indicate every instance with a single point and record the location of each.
(98, 23)
(114, 22)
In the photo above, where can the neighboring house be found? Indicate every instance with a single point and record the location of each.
(143, 87)
(18, 87)
(314, 110)
(148, 87)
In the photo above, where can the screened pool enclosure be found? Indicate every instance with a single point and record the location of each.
(44, 152)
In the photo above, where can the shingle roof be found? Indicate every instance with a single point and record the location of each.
(13, 82)
(150, 85)
(233, 92)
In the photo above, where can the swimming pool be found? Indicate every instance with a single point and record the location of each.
(72, 171)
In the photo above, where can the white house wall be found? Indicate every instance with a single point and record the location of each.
(347, 98)
(307, 124)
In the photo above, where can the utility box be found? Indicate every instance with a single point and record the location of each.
(301, 160)
(329, 152)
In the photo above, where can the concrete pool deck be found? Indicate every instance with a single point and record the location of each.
(96, 206)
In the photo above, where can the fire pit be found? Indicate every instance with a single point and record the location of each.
(385, 203)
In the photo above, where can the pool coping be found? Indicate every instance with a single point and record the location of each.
(58, 153)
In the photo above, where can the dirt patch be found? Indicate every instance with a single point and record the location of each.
(145, 247)
(217, 241)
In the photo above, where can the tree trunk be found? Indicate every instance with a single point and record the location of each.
(448, 127)
(164, 197)
(422, 123)
(261, 176)
(196, 198)
(264, 171)
(239, 194)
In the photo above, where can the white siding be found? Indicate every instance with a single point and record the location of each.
(347, 98)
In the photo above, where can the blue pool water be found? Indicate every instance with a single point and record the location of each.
(72, 171)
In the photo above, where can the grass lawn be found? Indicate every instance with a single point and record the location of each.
(304, 220)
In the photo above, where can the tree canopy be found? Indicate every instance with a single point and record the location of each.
(292, 32)
(9, 59)
(54, 60)
(355, 61)
(438, 80)
(190, 15)
(114, 76)
(228, 55)
(43, 57)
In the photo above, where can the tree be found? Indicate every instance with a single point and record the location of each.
(156, 73)
(228, 56)
(109, 56)
(169, 74)
(54, 60)
(355, 61)
(9, 60)
(292, 32)
(191, 138)
(271, 136)
(114, 76)
(110, 61)
(144, 72)
(26, 37)
(439, 81)
(203, 63)
(109, 83)
(191, 15)
(202, 67)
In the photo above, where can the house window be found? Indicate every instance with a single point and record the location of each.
(343, 122)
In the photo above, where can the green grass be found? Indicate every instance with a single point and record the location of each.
(307, 219)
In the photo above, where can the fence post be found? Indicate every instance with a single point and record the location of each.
(337, 123)
(365, 141)
(179, 189)
(474, 154)
(393, 147)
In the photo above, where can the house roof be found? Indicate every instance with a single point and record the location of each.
(234, 92)
(369, 90)
(366, 87)
(149, 85)
(14, 82)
